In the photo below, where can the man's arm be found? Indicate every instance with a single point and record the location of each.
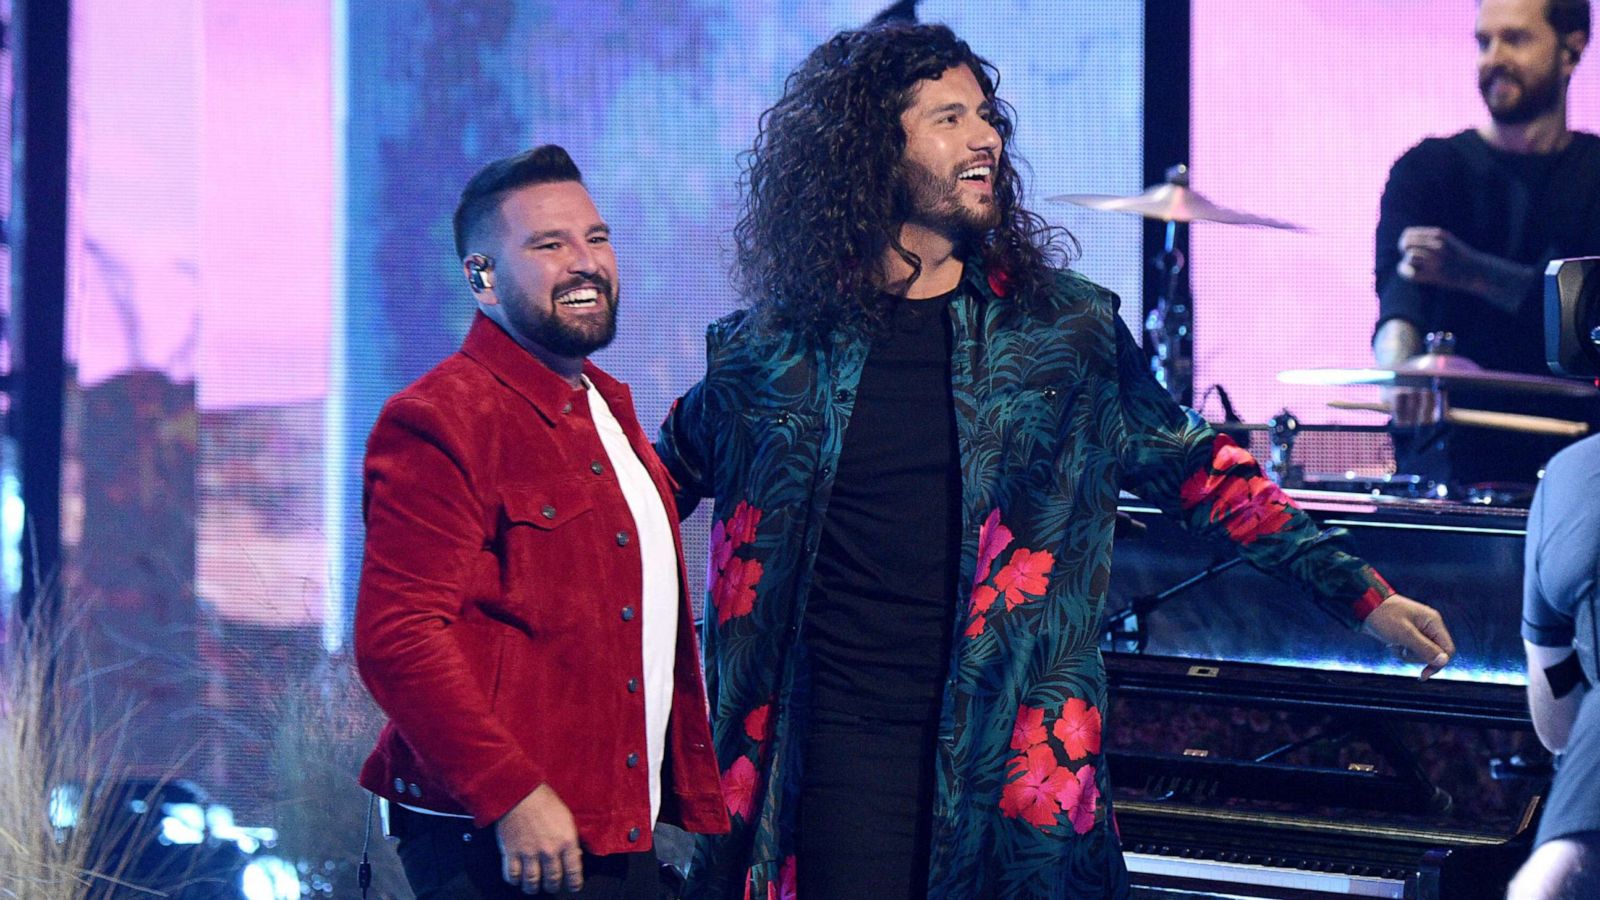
(1433, 256)
(424, 537)
(684, 445)
(1553, 573)
(1410, 197)
(1396, 341)
(1556, 688)
(1215, 488)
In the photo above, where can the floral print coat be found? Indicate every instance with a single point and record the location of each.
(1056, 412)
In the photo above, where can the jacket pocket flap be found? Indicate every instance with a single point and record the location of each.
(546, 506)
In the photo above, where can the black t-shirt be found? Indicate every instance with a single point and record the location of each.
(1528, 208)
(882, 606)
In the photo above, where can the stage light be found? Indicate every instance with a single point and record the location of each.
(270, 878)
(183, 823)
(65, 801)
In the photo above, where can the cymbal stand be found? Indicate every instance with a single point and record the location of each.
(1284, 428)
(1170, 325)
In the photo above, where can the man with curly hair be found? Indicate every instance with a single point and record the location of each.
(915, 436)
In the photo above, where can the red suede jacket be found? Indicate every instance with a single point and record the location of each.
(496, 622)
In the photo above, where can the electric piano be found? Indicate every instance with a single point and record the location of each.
(1260, 751)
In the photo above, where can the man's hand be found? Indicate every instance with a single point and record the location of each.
(1396, 341)
(1415, 629)
(1437, 257)
(539, 845)
(1411, 408)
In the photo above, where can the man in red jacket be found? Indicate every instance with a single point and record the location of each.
(522, 616)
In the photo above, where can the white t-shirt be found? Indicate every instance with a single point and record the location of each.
(658, 612)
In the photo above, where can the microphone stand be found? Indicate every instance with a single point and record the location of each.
(1124, 630)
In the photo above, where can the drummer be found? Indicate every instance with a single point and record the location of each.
(1467, 225)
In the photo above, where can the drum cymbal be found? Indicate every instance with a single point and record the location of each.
(1446, 370)
(1173, 203)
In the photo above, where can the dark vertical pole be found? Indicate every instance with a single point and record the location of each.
(1166, 121)
(39, 259)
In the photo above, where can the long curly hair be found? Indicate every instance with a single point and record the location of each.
(823, 197)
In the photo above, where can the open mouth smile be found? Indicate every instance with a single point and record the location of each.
(976, 174)
(579, 298)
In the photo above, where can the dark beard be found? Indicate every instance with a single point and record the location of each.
(935, 202)
(1537, 98)
(561, 337)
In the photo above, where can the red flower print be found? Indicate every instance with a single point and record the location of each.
(1198, 487)
(1247, 504)
(1371, 597)
(976, 626)
(1032, 796)
(739, 788)
(1078, 798)
(721, 547)
(993, 538)
(1251, 509)
(983, 597)
(742, 527)
(1000, 282)
(735, 590)
(1078, 729)
(1028, 572)
(786, 880)
(756, 723)
(1029, 730)
(1225, 456)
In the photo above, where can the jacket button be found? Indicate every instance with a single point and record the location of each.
(841, 395)
(633, 834)
(627, 614)
(622, 539)
(399, 785)
(566, 407)
(416, 791)
(597, 468)
(549, 512)
(825, 471)
(633, 760)
(633, 685)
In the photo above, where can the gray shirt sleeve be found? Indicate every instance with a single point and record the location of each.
(1562, 556)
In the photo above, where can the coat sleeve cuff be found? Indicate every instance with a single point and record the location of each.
(490, 793)
(1378, 590)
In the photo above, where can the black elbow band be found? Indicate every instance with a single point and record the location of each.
(1566, 675)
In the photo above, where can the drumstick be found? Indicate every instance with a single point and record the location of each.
(1484, 418)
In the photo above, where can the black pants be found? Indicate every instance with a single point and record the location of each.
(445, 858)
(866, 808)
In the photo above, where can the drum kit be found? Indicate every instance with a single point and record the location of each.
(1169, 335)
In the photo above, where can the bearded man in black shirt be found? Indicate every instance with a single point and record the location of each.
(1468, 223)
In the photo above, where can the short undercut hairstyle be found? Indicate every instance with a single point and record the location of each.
(1567, 16)
(480, 199)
